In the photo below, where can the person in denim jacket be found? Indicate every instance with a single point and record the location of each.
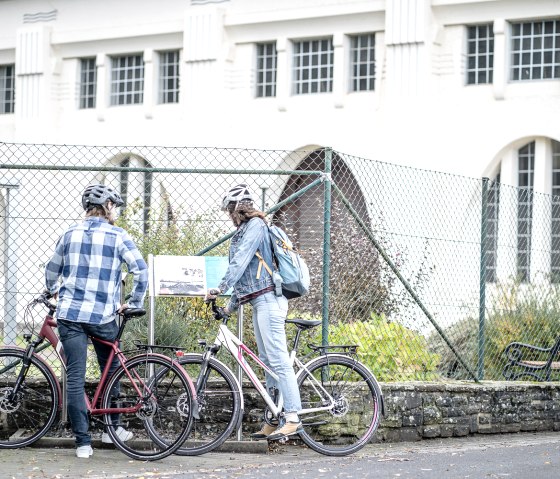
(253, 284)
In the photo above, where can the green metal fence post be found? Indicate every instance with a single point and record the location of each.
(482, 296)
(326, 244)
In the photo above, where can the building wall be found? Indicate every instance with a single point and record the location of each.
(421, 112)
(420, 93)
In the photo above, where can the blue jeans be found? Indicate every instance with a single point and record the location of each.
(269, 316)
(74, 337)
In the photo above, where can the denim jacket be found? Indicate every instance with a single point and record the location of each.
(250, 237)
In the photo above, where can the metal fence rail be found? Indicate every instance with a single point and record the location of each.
(433, 275)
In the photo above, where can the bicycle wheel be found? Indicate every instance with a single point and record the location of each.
(26, 416)
(352, 421)
(220, 405)
(156, 398)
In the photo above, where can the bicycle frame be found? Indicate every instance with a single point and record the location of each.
(237, 350)
(47, 332)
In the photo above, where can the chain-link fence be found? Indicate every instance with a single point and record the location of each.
(431, 274)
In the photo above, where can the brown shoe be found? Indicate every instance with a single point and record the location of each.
(288, 429)
(263, 433)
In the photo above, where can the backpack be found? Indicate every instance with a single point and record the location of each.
(289, 263)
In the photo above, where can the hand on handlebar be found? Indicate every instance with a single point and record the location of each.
(48, 295)
(212, 294)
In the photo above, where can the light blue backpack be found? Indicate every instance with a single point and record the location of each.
(288, 262)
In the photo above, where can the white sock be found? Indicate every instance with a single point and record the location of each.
(291, 417)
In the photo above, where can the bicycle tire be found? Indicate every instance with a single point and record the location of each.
(220, 405)
(166, 410)
(28, 417)
(352, 422)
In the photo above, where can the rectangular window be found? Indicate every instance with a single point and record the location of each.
(480, 54)
(535, 50)
(88, 82)
(266, 69)
(493, 211)
(169, 77)
(362, 58)
(555, 243)
(127, 80)
(313, 66)
(526, 172)
(7, 88)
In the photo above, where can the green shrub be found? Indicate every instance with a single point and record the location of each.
(520, 312)
(389, 349)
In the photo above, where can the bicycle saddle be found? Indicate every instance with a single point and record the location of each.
(304, 323)
(129, 313)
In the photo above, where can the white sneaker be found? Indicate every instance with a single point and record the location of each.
(84, 452)
(122, 434)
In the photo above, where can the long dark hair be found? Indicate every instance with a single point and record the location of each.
(243, 211)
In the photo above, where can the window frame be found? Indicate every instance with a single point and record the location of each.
(7, 92)
(135, 95)
(266, 63)
(523, 72)
(88, 85)
(525, 210)
(323, 84)
(169, 95)
(477, 55)
(356, 62)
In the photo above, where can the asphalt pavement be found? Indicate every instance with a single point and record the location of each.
(479, 456)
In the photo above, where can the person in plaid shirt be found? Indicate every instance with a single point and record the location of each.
(84, 273)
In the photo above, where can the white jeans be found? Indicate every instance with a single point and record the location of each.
(269, 316)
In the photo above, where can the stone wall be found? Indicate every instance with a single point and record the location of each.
(417, 410)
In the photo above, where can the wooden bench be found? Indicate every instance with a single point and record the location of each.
(531, 362)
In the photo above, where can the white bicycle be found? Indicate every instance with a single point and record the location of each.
(342, 402)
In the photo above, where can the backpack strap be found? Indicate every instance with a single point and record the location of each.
(262, 263)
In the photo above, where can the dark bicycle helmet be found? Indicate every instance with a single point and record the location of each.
(98, 195)
(236, 194)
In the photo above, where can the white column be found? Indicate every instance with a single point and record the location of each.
(150, 85)
(506, 262)
(103, 80)
(340, 68)
(283, 79)
(203, 50)
(406, 38)
(542, 220)
(33, 82)
(500, 63)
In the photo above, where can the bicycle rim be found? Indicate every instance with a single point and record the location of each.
(26, 416)
(352, 421)
(164, 409)
(219, 402)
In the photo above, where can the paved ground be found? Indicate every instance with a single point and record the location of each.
(484, 457)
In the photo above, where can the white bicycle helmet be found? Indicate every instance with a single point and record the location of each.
(236, 194)
(98, 195)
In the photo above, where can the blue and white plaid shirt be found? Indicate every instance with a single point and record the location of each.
(88, 258)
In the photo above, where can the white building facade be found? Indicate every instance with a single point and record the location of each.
(470, 87)
(449, 85)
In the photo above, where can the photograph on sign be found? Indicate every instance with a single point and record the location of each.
(180, 275)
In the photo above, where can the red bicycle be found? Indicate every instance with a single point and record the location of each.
(152, 393)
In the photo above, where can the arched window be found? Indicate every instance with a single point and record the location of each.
(526, 173)
(133, 186)
(523, 239)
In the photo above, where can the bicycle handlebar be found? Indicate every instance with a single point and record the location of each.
(219, 313)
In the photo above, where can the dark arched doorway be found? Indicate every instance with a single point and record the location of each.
(303, 218)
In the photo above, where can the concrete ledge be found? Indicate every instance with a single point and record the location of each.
(257, 447)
